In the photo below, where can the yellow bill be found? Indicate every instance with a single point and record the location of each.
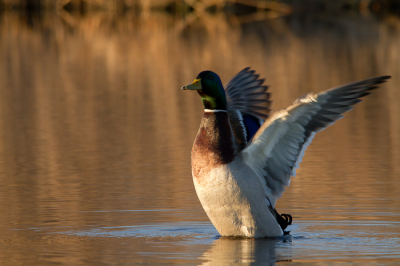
(195, 86)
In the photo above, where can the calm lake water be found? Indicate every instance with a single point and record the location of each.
(95, 138)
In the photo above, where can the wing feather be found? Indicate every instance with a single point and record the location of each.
(246, 96)
(278, 147)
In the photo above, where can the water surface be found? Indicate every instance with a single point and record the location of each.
(96, 137)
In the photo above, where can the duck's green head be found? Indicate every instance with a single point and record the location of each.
(209, 86)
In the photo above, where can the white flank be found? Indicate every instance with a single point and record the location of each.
(232, 197)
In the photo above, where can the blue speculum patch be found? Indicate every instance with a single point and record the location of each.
(252, 125)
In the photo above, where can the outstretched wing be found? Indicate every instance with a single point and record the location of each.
(247, 104)
(279, 145)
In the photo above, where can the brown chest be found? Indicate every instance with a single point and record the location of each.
(213, 145)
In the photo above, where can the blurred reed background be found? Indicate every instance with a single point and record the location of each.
(84, 97)
(183, 6)
(92, 119)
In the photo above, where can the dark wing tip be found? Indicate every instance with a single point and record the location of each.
(358, 86)
(381, 79)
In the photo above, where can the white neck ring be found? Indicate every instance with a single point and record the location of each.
(213, 111)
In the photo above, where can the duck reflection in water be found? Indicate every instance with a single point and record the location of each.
(229, 250)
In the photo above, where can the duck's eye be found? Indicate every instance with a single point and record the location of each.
(211, 77)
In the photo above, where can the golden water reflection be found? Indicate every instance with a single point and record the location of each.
(92, 120)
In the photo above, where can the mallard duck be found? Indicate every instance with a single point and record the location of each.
(244, 155)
